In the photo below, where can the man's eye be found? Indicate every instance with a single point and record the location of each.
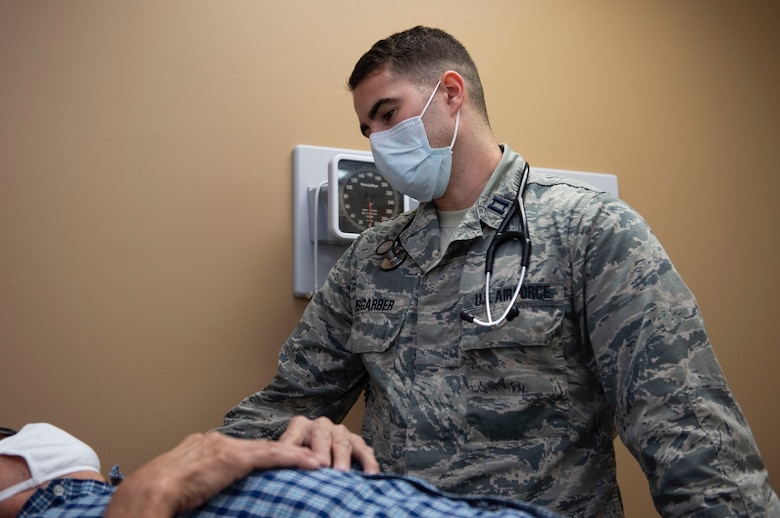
(388, 116)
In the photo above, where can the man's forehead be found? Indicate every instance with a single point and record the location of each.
(379, 86)
(377, 81)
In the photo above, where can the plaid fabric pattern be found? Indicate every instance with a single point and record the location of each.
(69, 497)
(296, 493)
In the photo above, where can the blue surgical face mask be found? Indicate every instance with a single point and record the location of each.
(405, 158)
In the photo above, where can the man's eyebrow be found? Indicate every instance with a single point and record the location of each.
(374, 110)
(377, 105)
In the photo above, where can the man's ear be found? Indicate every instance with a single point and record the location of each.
(456, 89)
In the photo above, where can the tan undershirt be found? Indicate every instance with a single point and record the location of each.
(448, 223)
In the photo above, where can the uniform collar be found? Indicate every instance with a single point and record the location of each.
(500, 191)
(421, 238)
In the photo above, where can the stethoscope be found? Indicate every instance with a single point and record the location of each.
(393, 254)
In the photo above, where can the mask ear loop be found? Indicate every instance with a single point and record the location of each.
(433, 94)
(14, 490)
(457, 116)
(455, 134)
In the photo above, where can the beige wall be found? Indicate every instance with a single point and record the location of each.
(145, 147)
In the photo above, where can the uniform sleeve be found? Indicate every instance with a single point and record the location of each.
(316, 375)
(673, 408)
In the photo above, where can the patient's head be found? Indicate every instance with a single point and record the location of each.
(37, 454)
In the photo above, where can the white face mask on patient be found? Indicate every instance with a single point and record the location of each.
(49, 452)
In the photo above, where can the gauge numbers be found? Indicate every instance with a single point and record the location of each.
(365, 197)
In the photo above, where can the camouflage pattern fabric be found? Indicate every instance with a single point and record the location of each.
(609, 340)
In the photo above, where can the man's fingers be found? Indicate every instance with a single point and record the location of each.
(240, 456)
(297, 431)
(341, 450)
(334, 445)
(268, 454)
(316, 434)
(364, 454)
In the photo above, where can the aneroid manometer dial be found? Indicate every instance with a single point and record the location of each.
(359, 196)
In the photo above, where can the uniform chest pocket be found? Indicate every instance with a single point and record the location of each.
(516, 376)
(373, 333)
(374, 336)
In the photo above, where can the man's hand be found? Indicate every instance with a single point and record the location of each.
(197, 469)
(334, 445)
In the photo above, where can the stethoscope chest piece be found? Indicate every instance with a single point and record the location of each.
(393, 254)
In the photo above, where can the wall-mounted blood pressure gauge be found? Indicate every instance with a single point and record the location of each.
(358, 196)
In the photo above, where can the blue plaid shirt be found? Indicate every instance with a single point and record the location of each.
(295, 493)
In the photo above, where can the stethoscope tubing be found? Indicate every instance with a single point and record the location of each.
(394, 254)
(498, 239)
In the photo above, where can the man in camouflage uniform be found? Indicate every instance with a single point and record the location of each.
(608, 339)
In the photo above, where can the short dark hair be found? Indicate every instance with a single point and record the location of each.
(421, 54)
